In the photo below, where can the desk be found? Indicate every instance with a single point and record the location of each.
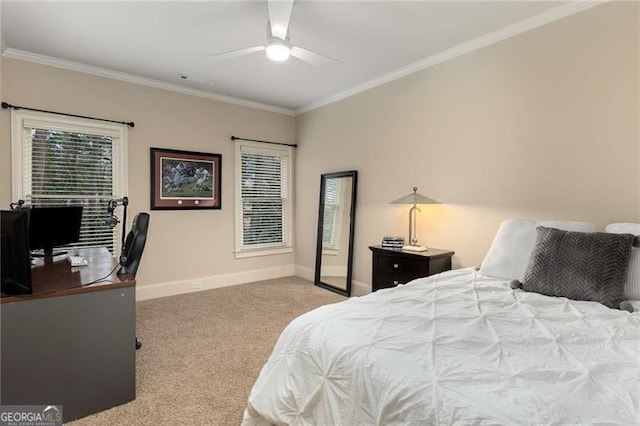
(69, 345)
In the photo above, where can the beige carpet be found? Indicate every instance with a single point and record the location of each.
(202, 352)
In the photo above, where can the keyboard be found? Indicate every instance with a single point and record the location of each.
(78, 261)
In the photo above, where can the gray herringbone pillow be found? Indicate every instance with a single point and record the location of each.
(579, 265)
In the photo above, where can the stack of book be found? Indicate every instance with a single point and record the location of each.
(394, 243)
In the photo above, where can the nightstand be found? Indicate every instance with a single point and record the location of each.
(393, 267)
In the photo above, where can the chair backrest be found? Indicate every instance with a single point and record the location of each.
(134, 245)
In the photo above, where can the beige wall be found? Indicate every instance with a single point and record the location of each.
(542, 125)
(182, 245)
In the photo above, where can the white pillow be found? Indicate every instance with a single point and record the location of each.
(623, 228)
(632, 285)
(509, 254)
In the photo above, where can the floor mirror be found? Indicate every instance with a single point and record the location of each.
(336, 219)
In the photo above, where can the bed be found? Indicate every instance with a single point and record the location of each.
(460, 347)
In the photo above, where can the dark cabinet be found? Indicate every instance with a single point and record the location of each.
(393, 267)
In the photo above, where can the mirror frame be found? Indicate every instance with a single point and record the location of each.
(352, 216)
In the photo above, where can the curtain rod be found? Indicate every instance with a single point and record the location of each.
(6, 105)
(235, 138)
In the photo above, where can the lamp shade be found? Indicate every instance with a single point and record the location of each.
(415, 198)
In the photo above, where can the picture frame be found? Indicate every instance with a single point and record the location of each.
(185, 180)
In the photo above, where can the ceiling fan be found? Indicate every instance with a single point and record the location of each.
(278, 47)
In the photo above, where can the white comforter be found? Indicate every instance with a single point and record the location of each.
(456, 348)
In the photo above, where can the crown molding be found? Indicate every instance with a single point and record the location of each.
(461, 49)
(143, 81)
(512, 30)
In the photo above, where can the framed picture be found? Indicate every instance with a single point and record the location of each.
(185, 180)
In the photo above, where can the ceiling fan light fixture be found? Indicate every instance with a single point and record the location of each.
(278, 51)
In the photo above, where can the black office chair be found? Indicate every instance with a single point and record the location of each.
(134, 245)
(133, 248)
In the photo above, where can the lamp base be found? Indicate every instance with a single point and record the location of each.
(414, 248)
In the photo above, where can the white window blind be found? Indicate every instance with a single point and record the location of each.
(67, 162)
(264, 214)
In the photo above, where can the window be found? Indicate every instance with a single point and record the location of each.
(58, 160)
(263, 199)
(333, 204)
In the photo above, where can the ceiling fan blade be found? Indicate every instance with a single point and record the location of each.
(235, 53)
(313, 58)
(279, 15)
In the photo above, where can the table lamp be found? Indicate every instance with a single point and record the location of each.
(415, 199)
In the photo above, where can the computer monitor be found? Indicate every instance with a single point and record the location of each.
(15, 266)
(51, 227)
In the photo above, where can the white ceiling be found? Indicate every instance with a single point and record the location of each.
(159, 40)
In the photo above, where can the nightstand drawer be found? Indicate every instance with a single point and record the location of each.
(399, 266)
(386, 280)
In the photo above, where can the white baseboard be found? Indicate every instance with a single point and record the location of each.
(358, 288)
(334, 271)
(173, 288)
(306, 273)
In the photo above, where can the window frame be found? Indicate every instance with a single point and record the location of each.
(21, 120)
(286, 246)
